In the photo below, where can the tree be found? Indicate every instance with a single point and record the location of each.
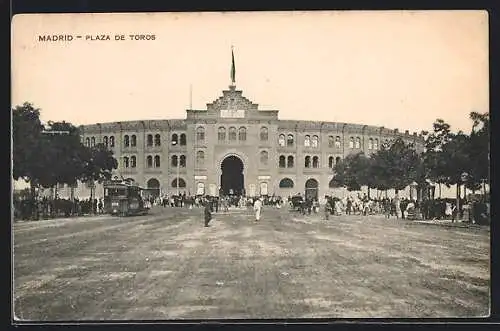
(351, 172)
(45, 157)
(98, 165)
(434, 161)
(63, 140)
(395, 166)
(479, 152)
(456, 151)
(29, 161)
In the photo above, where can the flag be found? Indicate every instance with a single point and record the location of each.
(233, 69)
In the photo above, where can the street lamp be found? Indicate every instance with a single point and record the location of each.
(463, 179)
(413, 188)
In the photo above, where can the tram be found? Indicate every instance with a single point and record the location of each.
(123, 198)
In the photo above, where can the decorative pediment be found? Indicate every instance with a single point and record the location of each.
(232, 100)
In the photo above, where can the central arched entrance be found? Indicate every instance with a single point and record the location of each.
(153, 187)
(232, 179)
(312, 189)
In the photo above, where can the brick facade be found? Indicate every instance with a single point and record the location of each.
(325, 140)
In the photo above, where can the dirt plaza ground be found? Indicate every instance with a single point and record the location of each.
(166, 265)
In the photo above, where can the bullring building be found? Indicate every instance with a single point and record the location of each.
(233, 147)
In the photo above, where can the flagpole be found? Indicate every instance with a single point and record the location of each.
(190, 96)
(233, 68)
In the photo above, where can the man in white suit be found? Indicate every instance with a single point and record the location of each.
(257, 207)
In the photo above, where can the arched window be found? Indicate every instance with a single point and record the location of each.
(200, 158)
(232, 133)
(179, 181)
(92, 141)
(337, 159)
(307, 162)
(133, 140)
(200, 189)
(375, 143)
(126, 141)
(289, 162)
(331, 162)
(174, 161)
(87, 142)
(289, 140)
(286, 183)
(200, 134)
(337, 142)
(157, 161)
(150, 140)
(351, 142)
(182, 161)
(133, 161)
(125, 162)
(221, 134)
(281, 140)
(331, 141)
(112, 141)
(370, 143)
(149, 161)
(242, 134)
(183, 139)
(264, 157)
(154, 186)
(307, 141)
(175, 139)
(315, 162)
(282, 161)
(358, 143)
(315, 142)
(263, 189)
(157, 140)
(105, 141)
(264, 134)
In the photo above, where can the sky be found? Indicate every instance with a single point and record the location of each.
(398, 69)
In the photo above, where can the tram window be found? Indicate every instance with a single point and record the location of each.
(116, 191)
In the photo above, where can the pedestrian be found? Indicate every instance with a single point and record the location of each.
(100, 206)
(327, 210)
(348, 206)
(257, 207)
(387, 208)
(207, 212)
(448, 210)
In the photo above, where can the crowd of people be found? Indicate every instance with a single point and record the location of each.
(474, 209)
(44, 208)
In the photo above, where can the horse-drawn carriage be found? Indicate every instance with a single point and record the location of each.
(296, 201)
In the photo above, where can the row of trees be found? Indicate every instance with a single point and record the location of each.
(448, 159)
(47, 155)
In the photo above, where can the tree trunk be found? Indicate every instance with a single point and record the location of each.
(92, 198)
(53, 209)
(34, 204)
(458, 202)
(386, 194)
(72, 199)
(368, 192)
(439, 184)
